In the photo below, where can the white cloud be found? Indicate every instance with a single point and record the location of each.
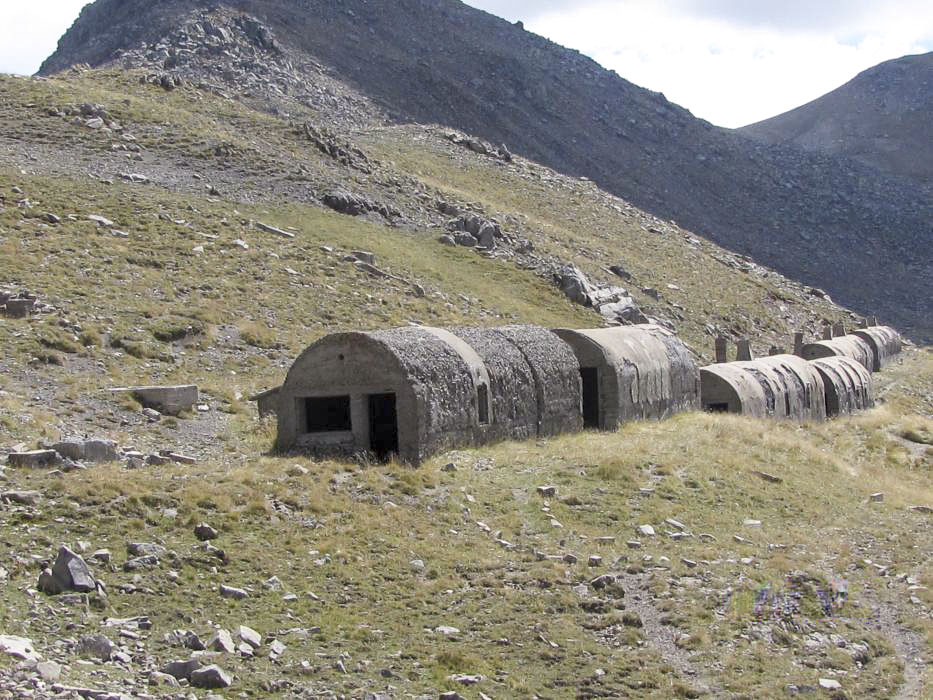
(30, 30)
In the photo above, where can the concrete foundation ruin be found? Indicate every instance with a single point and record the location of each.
(847, 383)
(413, 392)
(780, 386)
(632, 372)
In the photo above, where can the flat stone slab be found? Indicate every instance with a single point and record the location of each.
(165, 399)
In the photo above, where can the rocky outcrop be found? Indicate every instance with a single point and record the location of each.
(830, 222)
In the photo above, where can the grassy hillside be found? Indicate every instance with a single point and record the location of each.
(183, 285)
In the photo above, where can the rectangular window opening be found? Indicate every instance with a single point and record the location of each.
(328, 414)
(482, 403)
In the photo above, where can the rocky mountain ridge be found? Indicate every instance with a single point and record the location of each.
(882, 118)
(830, 222)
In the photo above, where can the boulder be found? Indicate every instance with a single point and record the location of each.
(70, 573)
(96, 646)
(182, 670)
(210, 677)
(18, 648)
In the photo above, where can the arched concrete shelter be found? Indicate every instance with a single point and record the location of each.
(632, 372)
(848, 385)
(850, 346)
(417, 391)
(885, 343)
(782, 386)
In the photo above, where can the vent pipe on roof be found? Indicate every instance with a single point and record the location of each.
(839, 330)
(722, 350)
(744, 351)
(798, 344)
(827, 332)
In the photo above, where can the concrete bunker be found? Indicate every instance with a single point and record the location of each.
(781, 386)
(848, 385)
(885, 343)
(632, 372)
(413, 392)
(851, 346)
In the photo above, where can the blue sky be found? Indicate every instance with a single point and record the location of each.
(732, 62)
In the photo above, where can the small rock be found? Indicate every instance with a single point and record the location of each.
(205, 532)
(646, 531)
(250, 636)
(231, 592)
(595, 560)
(830, 684)
(276, 649)
(49, 671)
(447, 631)
(769, 477)
(876, 497)
(633, 544)
(210, 677)
(96, 646)
(748, 522)
(222, 641)
(547, 491)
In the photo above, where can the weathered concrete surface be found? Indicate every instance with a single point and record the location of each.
(885, 343)
(556, 372)
(526, 379)
(644, 371)
(850, 346)
(34, 458)
(88, 450)
(267, 402)
(848, 385)
(781, 386)
(728, 388)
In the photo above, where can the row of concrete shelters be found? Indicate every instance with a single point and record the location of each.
(413, 392)
(871, 347)
(781, 386)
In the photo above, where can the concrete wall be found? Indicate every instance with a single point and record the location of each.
(556, 372)
(848, 385)
(512, 387)
(850, 346)
(780, 386)
(734, 389)
(885, 343)
(644, 371)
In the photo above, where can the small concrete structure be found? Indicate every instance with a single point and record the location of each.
(885, 343)
(267, 402)
(781, 386)
(851, 346)
(413, 392)
(848, 385)
(18, 307)
(632, 372)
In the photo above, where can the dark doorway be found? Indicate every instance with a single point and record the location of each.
(717, 407)
(383, 425)
(590, 377)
